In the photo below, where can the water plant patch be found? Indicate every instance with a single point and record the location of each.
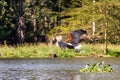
(97, 67)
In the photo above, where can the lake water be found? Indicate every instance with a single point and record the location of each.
(56, 69)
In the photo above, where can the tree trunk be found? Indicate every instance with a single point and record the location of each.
(21, 23)
(105, 49)
(93, 28)
(21, 30)
(106, 25)
(35, 31)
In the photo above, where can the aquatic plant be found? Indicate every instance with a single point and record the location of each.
(98, 67)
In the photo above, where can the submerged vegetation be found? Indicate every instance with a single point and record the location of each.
(98, 67)
(45, 51)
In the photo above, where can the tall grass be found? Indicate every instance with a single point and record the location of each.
(24, 51)
(44, 51)
(98, 49)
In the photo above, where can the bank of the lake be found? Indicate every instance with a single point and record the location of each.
(46, 51)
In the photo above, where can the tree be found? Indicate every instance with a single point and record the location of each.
(38, 13)
(3, 4)
(26, 20)
(21, 22)
(5, 29)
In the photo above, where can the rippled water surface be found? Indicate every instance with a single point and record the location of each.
(55, 69)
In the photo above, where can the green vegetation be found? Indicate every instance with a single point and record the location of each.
(97, 50)
(34, 51)
(103, 12)
(45, 51)
(98, 67)
(49, 17)
(27, 21)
